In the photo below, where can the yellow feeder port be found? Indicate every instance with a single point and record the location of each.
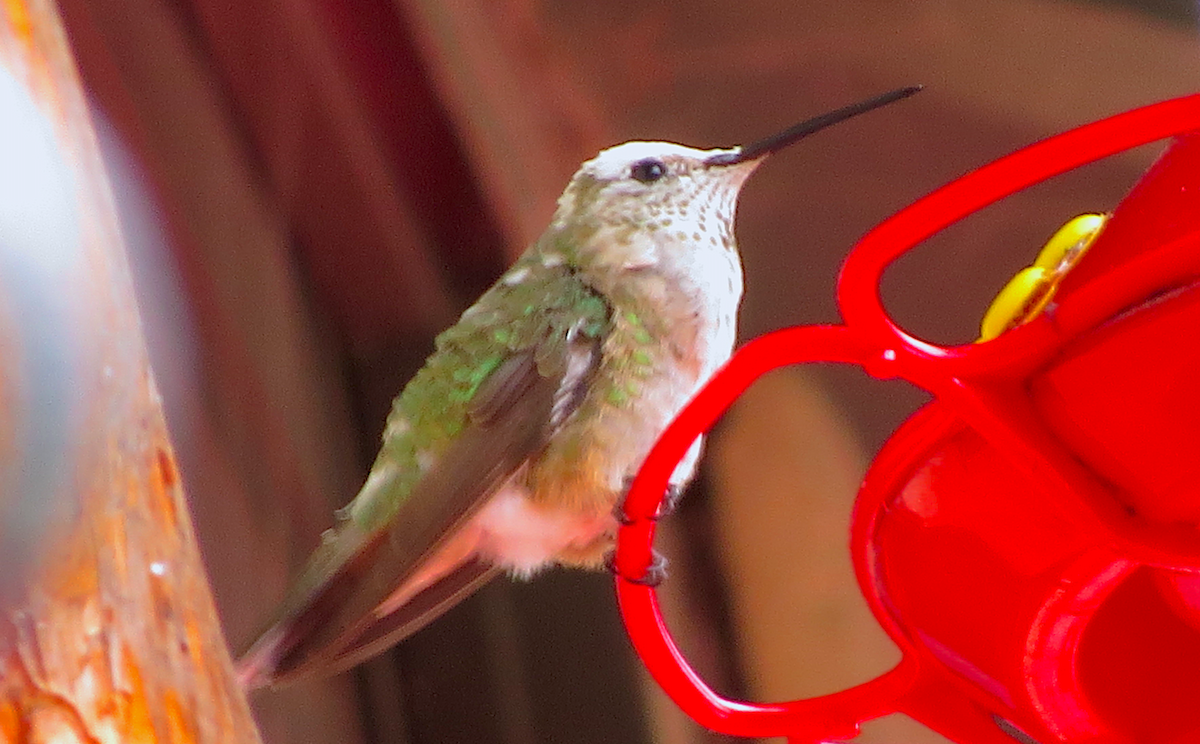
(1029, 292)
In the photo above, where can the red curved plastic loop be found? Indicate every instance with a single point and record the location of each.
(1019, 351)
(833, 716)
(869, 339)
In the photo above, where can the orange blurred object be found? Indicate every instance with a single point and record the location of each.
(108, 630)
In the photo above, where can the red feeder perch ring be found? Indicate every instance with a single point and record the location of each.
(1029, 539)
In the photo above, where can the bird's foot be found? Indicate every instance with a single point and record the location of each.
(654, 575)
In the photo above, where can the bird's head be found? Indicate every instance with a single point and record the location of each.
(639, 203)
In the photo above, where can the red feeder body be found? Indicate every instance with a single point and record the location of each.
(1029, 539)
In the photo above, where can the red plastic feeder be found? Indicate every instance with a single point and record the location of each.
(1030, 538)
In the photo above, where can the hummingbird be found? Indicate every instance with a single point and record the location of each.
(510, 450)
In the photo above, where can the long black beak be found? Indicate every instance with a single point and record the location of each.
(776, 142)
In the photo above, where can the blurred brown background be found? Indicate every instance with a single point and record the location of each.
(314, 188)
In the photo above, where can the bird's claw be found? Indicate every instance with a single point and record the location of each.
(670, 501)
(619, 514)
(666, 507)
(653, 576)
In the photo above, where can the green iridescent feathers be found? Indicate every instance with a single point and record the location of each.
(532, 307)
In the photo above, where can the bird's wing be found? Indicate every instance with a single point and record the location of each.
(329, 620)
(384, 632)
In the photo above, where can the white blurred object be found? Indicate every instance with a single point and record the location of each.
(41, 352)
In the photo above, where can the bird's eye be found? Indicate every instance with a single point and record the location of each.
(648, 170)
